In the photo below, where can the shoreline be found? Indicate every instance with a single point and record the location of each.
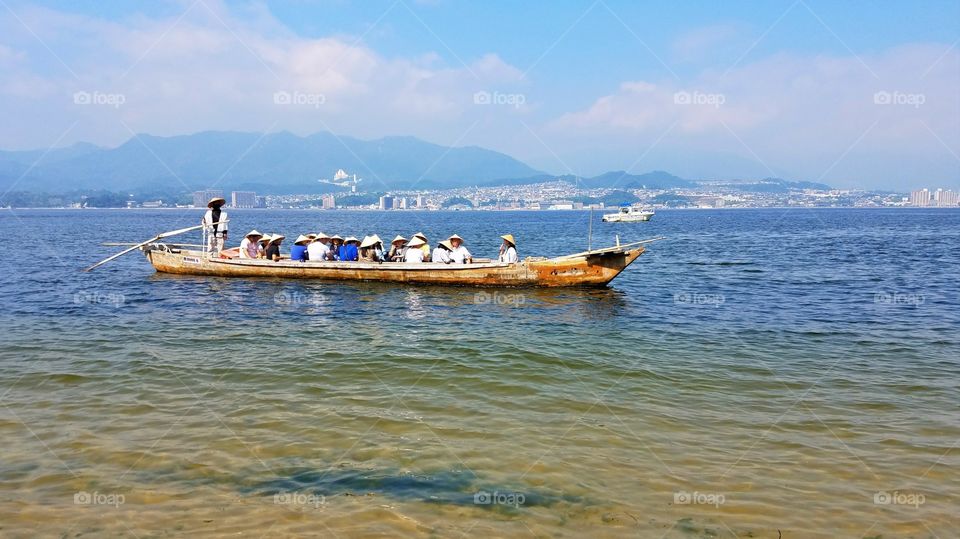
(506, 210)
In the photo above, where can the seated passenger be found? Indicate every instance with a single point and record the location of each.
(396, 249)
(441, 254)
(371, 249)
(336, 242)
(348, 251)
(459, 253)
(413, 253)
(508, 251)
(378, 248)
(250, 246)
(425, 247)
(319, 248)
(272, 252)
(299, 250)
(264, 241)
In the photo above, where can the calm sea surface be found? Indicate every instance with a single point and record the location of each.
(758, 371)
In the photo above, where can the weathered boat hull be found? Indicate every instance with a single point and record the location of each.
(595, 268)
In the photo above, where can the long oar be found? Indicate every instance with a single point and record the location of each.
(157, 237)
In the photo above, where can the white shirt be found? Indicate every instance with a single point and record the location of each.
(441, 255)
(460, 254)
(208, 221)
(510, 255)
(249, 249)
(413, 255)
(317, 251)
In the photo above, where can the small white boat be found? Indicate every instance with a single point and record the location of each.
(628, 214)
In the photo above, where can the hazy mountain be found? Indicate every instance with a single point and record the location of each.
(657, 179)
(777, 185)
(282, 163)
(279, 162)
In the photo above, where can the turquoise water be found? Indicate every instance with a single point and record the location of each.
(759, 370)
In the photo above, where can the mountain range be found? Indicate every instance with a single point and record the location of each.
(284, 163)
(271, 163)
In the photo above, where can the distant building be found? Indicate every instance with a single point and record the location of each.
(420, 201)
(401, 203)
(386, 202)
(920, 198)
(243, 199)
(200, 198)
(328, 202)
(946, 199)
(153, 204)
(261, 202)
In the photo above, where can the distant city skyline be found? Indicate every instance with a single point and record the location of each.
(850, 95)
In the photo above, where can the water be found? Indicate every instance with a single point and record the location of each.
(781, 370)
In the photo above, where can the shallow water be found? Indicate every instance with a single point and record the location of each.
(781, 370)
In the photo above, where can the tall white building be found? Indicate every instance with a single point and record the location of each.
(920, 198)
(243, 199)
(946, 199)
(200, 198)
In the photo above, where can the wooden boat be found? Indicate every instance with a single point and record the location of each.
(590, 268)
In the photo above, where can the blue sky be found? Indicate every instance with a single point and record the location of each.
(856, 94)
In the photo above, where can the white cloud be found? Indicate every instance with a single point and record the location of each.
(220, 68)
(801, 112)
(211, 70)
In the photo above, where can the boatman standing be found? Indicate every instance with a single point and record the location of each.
(215, 225)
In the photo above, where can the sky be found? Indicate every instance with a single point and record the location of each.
(853, 94)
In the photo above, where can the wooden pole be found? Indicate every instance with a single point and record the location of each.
(155, 238)
(590, 230)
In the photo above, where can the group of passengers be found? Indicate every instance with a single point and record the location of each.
(321, 247)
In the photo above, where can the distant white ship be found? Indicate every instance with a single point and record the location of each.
(628, 214)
